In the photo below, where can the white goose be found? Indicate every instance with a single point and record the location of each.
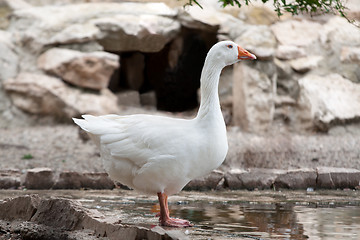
(160, 155)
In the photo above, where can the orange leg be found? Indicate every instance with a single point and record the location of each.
(164, 218)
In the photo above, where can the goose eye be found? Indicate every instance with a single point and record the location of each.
(229, 46)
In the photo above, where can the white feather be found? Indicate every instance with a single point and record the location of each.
(160, 154)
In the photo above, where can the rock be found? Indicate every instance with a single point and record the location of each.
(297, 179)
(89, 70)
(284, 101)
(232, 29)
(174, 234)
(68, 180)
(117, 26)
(19, 208)
(206, 19)
(75, 180)
(306, 64)
(333, 178)
(207, 182)
(41, 94)
(9, 61)
(329, 100)
(17, 4)
(145, 33)
(76, 33)
(232, 180)
(299, 33)
(335, 36)
(9, 182)
(283, 69)
(128, 98)
(352, 10)
(261, 15)
(350, 55)
(252, 179)
(288, 52)
(148, 99)
(251, 113)
(39, 178)
(338, 33)
(8, 57)
(97, 181)
(60, 213)
(9, 179)
(258, 40)
(69, 215)
(31, 230)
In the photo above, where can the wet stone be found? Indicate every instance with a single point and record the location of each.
(296, 179)
(47, 215)
(208, 182)
(97, 181)
(39, 178)
(256, 178)
(21, 208)
(75, 180)
(333, 178)
(10, 179)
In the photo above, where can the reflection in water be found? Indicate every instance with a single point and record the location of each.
(272, 221)
(276, 221)
(330, 223)
(235, 219)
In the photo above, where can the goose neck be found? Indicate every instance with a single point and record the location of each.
(209, 83)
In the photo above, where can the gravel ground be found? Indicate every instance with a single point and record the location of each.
(61, 148)
(58, 147)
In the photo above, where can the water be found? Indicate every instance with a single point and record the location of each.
(325, 215)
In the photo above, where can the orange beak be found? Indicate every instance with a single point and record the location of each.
(243, 54)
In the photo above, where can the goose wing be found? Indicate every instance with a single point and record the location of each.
(138, 138)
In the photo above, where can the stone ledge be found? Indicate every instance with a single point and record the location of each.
(51, 215)
(254, 178)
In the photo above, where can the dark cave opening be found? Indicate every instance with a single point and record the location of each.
(172, 73)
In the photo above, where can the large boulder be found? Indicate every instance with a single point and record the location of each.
(118, 26)
(341, 39)
(299, 33)
(89, 70)
(253, 99)
(329, 99)
(337, 32)
(207, 18)
(45, 95)
(259, 40)
(145, 33)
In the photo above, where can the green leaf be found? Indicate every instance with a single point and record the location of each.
(27, 156)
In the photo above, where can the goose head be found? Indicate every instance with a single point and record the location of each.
(228, 52)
